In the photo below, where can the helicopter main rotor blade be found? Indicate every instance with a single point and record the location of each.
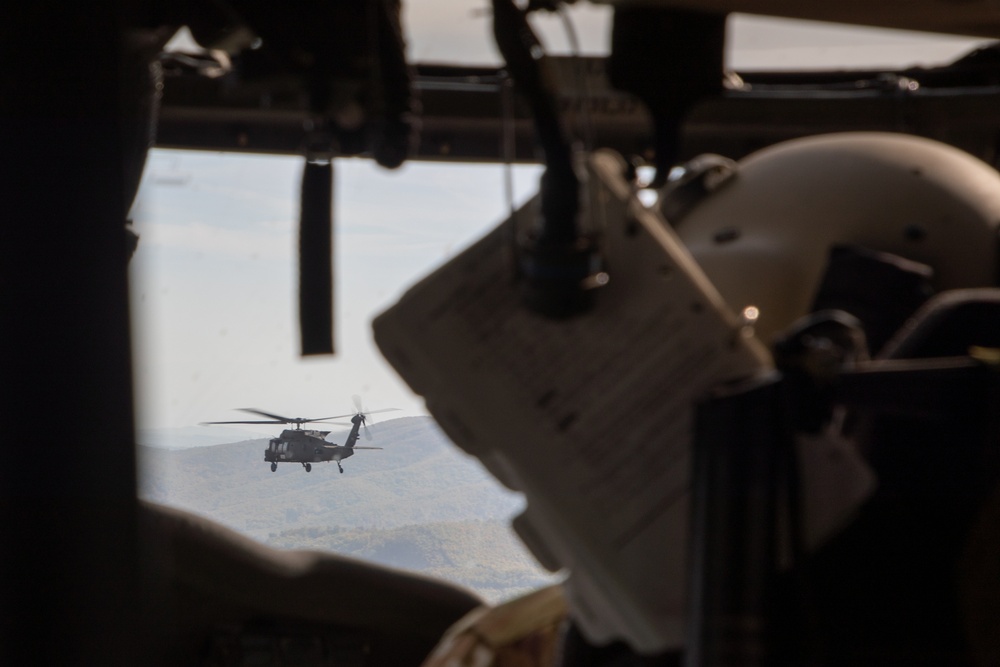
(363, 447)
(242, 422)
(281, 420)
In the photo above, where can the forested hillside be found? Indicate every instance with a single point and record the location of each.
(418, 504)
(485, 556)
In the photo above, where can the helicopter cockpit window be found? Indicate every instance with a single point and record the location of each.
(215, 312)
(214, 304)
(768, 43)
(449, 31)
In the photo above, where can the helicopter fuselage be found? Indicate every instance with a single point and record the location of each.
(305, 446)
(302, 446)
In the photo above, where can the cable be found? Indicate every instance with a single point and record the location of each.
(583, 80)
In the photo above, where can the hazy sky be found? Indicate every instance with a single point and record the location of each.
(214, 277)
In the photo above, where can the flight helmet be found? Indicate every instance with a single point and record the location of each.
(763, 229)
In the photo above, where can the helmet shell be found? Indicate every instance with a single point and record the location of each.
(764, 235)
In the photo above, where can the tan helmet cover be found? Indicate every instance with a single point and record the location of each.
(764, 235)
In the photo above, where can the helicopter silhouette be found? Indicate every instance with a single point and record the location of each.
(307, 446)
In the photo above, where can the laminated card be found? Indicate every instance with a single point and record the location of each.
(590, 417)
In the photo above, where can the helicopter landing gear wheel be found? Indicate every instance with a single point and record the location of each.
(309, 467)
(340, 467)
(274, 466)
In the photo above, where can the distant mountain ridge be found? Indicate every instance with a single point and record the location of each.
(484, 556)
(419, 495)
(191, 436)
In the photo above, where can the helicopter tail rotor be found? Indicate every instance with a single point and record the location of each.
(366, 415)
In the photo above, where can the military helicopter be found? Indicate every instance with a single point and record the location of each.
(307, 446)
